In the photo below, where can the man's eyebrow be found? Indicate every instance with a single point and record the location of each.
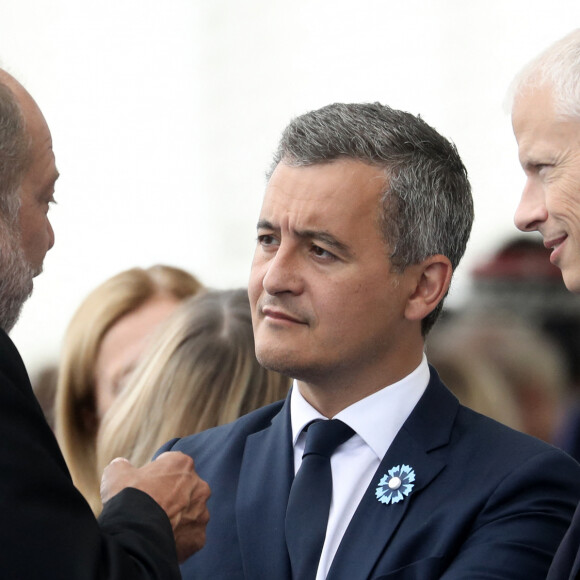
(326, 238)
(532, 155)
(531, 162)
(316, 235)
(264, 225)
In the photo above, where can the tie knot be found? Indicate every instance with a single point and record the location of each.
(323, 437)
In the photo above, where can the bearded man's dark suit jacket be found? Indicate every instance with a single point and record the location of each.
(47, 530)
(488, 502)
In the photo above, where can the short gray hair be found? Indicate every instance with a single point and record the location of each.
(14, 154)
(558, 67)
(426, 207)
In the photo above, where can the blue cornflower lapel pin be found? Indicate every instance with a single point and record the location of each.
(396, 484)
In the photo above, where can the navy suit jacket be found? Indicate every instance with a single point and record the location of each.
(47, 530)
(488, 502)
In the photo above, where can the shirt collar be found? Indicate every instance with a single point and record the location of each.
(376, 418)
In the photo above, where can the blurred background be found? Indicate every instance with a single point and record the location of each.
(165, 115)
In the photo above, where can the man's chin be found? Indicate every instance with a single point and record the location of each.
(274, 360)
(572, 281)
(294, 366)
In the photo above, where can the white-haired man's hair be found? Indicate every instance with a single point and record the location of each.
(557, 67)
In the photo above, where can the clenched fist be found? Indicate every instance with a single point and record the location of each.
(172, 482)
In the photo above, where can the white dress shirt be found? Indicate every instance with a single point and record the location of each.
(376, 420)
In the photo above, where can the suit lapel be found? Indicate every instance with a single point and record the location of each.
(373, 524)
(265, 478)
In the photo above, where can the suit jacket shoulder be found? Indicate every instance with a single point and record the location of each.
(225, 440)
(47, 530)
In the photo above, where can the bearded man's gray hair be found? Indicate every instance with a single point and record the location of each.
(15, 273)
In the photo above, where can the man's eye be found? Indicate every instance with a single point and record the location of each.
(266, 239)
(541, 168)
(321, 252)
(47, 202)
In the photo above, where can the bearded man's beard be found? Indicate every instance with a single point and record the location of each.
(15, 277)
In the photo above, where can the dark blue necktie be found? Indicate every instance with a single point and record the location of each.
(309, 501)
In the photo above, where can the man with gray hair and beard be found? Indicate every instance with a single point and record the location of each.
(153, 517)
(371, 468)
(546, 123)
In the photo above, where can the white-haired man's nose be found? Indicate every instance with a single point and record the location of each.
(531, 211)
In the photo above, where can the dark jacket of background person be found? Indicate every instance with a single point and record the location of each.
(32, 467)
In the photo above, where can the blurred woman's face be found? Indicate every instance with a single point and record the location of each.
(123, 345)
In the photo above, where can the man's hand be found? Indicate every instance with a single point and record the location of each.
(172, 482)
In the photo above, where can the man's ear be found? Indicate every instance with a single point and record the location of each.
(433, 277)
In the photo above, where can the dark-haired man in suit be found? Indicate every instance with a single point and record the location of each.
(366, 214)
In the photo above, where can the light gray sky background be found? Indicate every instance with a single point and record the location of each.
(165, 114)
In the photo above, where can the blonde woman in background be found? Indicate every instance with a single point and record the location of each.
(199, 372)
(104, 339)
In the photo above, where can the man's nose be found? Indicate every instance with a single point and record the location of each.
(50, 236)
(531, 210)
(283, 273)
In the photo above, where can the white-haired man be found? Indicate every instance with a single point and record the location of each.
(546, 122)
